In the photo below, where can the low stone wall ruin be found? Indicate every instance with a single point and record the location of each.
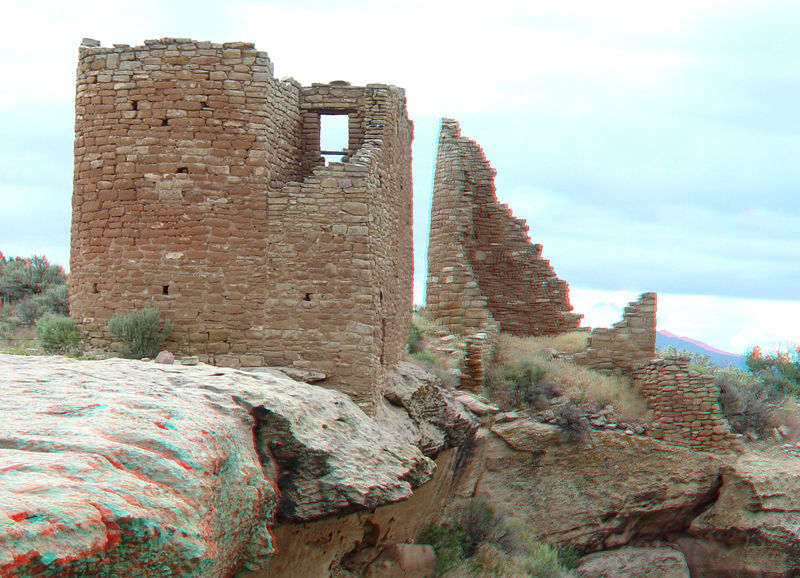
(685, 405)
(625, 344)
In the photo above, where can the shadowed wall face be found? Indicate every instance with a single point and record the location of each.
(200, 189)
(482, 267)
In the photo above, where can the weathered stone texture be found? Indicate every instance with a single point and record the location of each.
(200, 189)
(685, 405)
(482, 267)
(627, 343)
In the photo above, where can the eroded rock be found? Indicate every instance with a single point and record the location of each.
(107, 462)
(597, 494)
(436, 419)
(753, 529)
(631, 562)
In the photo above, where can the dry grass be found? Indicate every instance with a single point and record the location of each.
(587, 389)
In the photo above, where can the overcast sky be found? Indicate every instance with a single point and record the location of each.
(650, 146)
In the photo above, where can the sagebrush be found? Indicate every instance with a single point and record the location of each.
(57, 335)
(142, 332)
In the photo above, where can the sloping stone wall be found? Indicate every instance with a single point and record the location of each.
(625, 344)
(482, 267)
(200, 189)
(685, 405)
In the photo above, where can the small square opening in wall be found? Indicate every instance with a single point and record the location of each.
(165, 289)
(334, 136)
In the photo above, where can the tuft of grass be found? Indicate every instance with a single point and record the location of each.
(587, 389)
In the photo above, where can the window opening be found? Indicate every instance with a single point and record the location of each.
(165, 289)
(334, 135)
(183, 170)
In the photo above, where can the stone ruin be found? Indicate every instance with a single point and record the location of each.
(485, 275)
(625, 344)
(483, 269)
(200, 189)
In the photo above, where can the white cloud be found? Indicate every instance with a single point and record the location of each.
(730, 324)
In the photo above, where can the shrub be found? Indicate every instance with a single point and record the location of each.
(415, 339)
(572, 421)
(478, 522)
(748, 403)
(25, 277)
(448, 545)
(781, 365)
(55, 300)
(699, 362)
(28, 311)
(56, 334)
(587, 389)
(141, 331)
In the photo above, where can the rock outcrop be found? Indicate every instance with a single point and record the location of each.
(109, 462)
(595, 495)
(422, 412)
(630, 562)
(753, 528)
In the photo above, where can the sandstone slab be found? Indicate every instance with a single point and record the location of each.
(628, 562)
(753, 528)
(596, 495)
(440, 420)
(136, 469)
(105, 462)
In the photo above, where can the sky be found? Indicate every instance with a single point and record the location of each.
(650, 146)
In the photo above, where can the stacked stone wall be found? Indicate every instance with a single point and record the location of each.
(199, 188)
(627, 343)
(340, 249)
(685, 405)
(482, 267)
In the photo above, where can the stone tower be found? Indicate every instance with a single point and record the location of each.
(200, 188)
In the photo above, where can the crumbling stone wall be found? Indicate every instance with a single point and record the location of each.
(482, 267)
(685, 405)
(199, 188)
(625, 344)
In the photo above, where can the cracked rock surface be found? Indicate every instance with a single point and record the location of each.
(132, 469)
(423, 412)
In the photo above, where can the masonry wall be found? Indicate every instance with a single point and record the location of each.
(199, 189)
(625, 344)
(482, 267)
(685, 405)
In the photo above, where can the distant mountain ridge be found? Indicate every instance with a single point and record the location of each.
(719, 357)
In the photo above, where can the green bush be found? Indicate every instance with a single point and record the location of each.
(448, 544)
(415, 339)
(56, 335)
(55, 299)
(28, 311)
(25, 277)
(141, 331)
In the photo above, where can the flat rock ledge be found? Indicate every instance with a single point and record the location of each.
(176, 467)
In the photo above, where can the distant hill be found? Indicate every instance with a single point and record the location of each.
(719, 357)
